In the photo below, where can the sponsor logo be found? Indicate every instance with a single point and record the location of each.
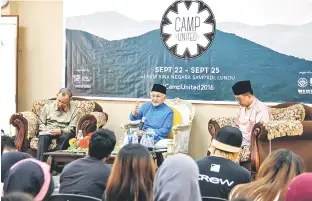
(302, 82)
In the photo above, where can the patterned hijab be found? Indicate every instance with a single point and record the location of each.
(177, 180)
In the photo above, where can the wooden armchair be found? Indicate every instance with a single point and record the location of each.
(294, 135)
(282, 114)
(27, 124)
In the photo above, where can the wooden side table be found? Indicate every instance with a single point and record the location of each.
(67, 157)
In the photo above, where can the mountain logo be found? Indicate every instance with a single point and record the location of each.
(188, 28)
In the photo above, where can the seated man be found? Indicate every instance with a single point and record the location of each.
(251, 112)
(58, 120)
(8, 144)
(89, 175)
(156, 116)
(219, 172)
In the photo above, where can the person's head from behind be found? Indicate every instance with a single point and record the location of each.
(8, 143)
(132, 176)
(30, 176)
(300, 188)
(63, 98)
(177, 180)
(281, 165)
(17, 196)
(8, 159)
(101, 144)
(243, 93)
(273, 176)
(227, 143)
(158, 94)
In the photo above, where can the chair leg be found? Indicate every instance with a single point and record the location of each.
(159, 159)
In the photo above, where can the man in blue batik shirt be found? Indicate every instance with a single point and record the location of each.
(157, 116)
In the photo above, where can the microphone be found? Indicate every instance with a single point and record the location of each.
(141, 125)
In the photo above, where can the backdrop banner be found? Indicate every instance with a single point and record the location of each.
(197, 49)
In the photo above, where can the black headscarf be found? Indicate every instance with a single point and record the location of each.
(8, 159)
(30, 176)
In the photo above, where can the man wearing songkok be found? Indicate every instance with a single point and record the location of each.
(219, 172)
(251, 112)
(157, 118)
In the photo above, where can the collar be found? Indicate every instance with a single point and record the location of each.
(158, 106)
(253, 103)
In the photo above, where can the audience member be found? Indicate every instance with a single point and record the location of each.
(89, 175)
(177, 180)
(8, 143)
(58, 119)
(8, 159)
(17, 196)
(2, 147)
(132, 175)
(158, 118)
(276, 171)
(251, 112)
(300, 188)
(220, 172)
(30, 176)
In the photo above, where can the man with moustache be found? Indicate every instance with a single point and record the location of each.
(57, 120)
(157, 118)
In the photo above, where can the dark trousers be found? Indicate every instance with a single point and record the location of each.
(45, 140)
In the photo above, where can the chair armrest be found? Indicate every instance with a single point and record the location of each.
(26, 124)
(181, 127)
(130, 124)
(215, 124)
(97, 118)
(273, 130)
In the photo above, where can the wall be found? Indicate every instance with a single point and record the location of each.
(40, 70)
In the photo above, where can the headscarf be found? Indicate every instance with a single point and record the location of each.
(8, 159)
(300, 188)
(30, 176)
(177, 180)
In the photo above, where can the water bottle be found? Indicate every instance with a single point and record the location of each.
(135, 138)
(79, 135)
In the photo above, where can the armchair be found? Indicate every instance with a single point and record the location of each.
(178, 139)
(26, 122)
(299, 116)
(285, 132)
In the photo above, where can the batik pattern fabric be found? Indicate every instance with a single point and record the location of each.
(149, 139)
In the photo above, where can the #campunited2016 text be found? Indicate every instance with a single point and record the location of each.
(199, 87)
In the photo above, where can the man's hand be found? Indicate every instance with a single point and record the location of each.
(135, 109)
(56, 131)
(140, 132)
